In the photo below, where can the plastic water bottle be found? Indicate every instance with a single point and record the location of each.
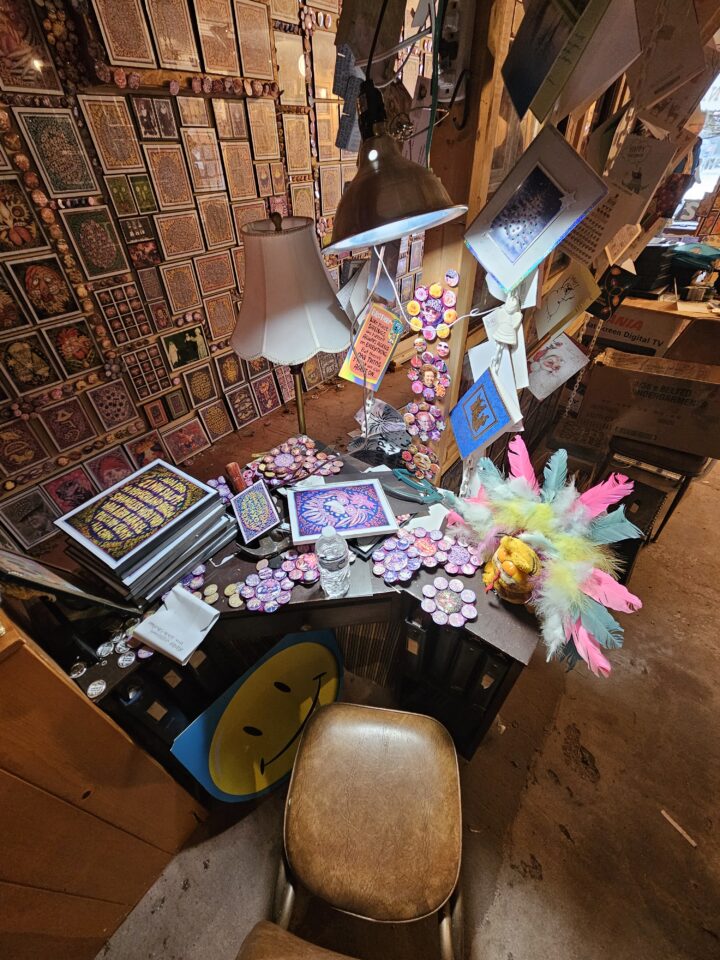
(334, 562)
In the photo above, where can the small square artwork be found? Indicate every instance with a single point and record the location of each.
(417, 249)
(185, 347)
(121, 195)
(479, 416)
(27, 364)
(277, 177)
(216, 220)
(146, 119)
(356, 509)
(143, 253)
(230, 370)
(328, 122)
(70, 489)
(263, 128)
(110, 467)
(74, 347)
(124, 313)
(166, 164)
(55, 144)
(200, 385)
(264, 181)
(216, 420)
(96, 241)
(145, 449)
(19, 229)
(176, 404)
(257, 367)
(112, 404)
(230, 119)
(30, 517)
(221, 315)
(286, 382)
(165, 118)
(553, 364)
(328, 365)
(330, 189)
(203, 157)
(44, 287)
(19, 447)
(242, 406)
(531, 209)
(193, 111)
(348, 173)
(181, 286)
(125, 33)
(143, 192)
(215, 272)
(155, 413)
(407, 288)
(147, 371)
(67, 424)
(238, 164)
(186, 440)
(279, 205)
(12, 315)
(302, 198)
(312, 374)
(160, 313)
(180, 234)
(253, 33)
(297, 143)
(254, 511)
(246, 213)
(113, 133)
(266, 394)
(135, 229)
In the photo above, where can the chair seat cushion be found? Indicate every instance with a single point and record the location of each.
(372, 820)
(266, 941)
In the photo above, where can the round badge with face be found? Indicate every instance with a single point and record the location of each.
(245, 743)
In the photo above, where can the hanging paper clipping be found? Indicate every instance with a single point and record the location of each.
(370, 353)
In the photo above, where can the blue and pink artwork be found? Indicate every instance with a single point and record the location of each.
(254, 511)
(356, 509)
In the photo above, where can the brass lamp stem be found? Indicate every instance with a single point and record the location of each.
(296, 371)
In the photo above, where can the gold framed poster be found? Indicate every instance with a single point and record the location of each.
(216, 220)
(112, 131)
(285, 10)
(263, 128)
(215, 272)
(174, 38)
(55, 144)
(327, 118)
(297, 143)
(125, 33)
(277, 175)
(193, 112)
(247, 212)
(302, 198)
(181, 286)
(264, 180)
(253, 32)
(324, 54)
(239, 169)
(203, 158)
(330, 188)
(179, 234)
(230, 119)
(169, 175)
(217, 37)
(291, 68)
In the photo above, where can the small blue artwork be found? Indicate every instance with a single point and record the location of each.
(479, 416)
(254, 511)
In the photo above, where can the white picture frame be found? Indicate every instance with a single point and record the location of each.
(300, 527)
(537, 205)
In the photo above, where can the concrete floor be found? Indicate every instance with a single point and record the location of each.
(567, 855)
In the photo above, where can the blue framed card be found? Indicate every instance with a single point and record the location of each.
(479, 416)
(254, 511)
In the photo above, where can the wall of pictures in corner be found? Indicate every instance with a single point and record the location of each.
(135, 141)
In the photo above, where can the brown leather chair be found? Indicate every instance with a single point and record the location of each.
(372, 826)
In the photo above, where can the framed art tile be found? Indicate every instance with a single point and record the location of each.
(215, 272)
(230, 119)
(19, 447)
(143, 253)
(27, 363)
(4, 160)
(407, 288)
(203, 157)
(253, 33)
(155, 413)
(165, 118)
(216, 420)
(112, 404)
(242, 406)
(417, 249)
(221, 315)
(54, 141)
(185, 347)
(137, 228)
(19, 229)
(113, 133)
(328, 365)
(179, 234)
(334, 274)
(229, 370)
(186, 440)
(291, 68)
(147, 371)
(264, 181)
(279, 205)
(150, 283)
(216, 219)
(200, 385)
(297, 143)
(277, 177)
(323, 55)
(121, 195)
(71, 489)
(193, 111)
(181, 286)
(239, 169)
(166, 164)
(266, 394)
(254, 511)
(327, 118)
(246, 213)
(348, 173)
(330, 189)
(146, 117)
(238, 255)
(286, 382)
(302, 198)
(98, 246)
(143, 193)
(368, 512)
(145, 449)
(285, 10)
(30, 517)
(160, 314)
(263, 128)
(217, 37)
(12, 315)
(125, 33)
(257, 367)
(67, 424)
(74, 347)
(176, 404)
(312, 374)
(22, 49)
(172, 31)
(110, 467)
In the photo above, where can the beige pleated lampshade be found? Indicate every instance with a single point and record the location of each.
(289, 311)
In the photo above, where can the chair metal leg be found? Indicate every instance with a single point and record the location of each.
(680, 493)
(452, 928)
(284, 896)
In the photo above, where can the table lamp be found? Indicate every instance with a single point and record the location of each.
(289, 311)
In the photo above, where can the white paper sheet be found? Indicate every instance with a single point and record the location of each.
(179, 627)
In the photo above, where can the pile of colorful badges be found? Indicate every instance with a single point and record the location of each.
(293, 460)
(271, 586)
(399, 558)
(449, 602)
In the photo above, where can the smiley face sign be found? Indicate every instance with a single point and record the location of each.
(245, 743)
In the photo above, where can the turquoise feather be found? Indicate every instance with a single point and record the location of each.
(555, 475)
(489, 475)
(601, 624)
(612, 527)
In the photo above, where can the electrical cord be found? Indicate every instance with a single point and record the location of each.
(380, 19)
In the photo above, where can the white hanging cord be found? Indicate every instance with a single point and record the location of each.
(392, 283)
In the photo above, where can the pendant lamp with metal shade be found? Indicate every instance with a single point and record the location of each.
(289, 311)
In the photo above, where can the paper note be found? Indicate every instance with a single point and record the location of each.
(640, 165)
(369, 355)
(179, 626)
(572, 293)
(590, 237)
(553, 364)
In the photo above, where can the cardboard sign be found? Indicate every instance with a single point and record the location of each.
(370, 353)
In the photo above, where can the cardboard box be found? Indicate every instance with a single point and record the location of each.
(664, 402)
(641, 326)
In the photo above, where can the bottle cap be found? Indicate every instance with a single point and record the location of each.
(328, 531)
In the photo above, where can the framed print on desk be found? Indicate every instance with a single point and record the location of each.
(358, 508)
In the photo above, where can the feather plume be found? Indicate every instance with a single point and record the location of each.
(489, 475)
(553, 633)
(555, 475)
(539, 542)
(600, 623)
(588, 648)
(520, 465)
(613, 527)
(601, 587)
(598, 498)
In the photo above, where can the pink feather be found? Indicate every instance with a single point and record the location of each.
(601, 587)
(520, 465)
(598, 498)
(454, 518)
(589, 649)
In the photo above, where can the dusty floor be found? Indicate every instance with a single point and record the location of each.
(567, 855)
